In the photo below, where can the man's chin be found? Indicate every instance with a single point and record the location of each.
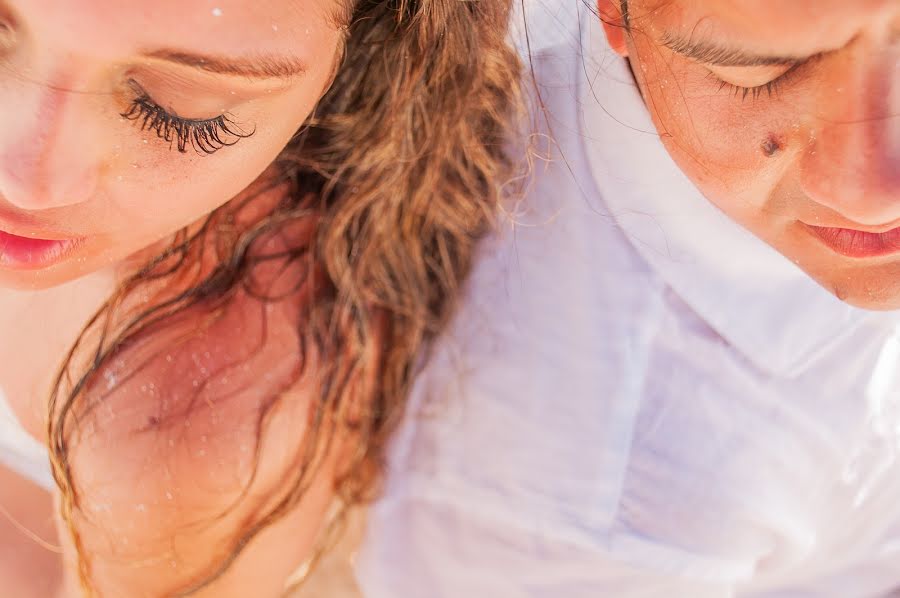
(875, 295)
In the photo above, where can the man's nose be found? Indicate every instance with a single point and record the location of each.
(852, 165)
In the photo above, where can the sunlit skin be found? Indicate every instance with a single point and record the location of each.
(73, 168)
(809, 160)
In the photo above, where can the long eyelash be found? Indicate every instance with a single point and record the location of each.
(204, 136)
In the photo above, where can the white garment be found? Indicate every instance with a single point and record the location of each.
(638, 398)
(20, 452)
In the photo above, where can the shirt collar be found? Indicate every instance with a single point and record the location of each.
(755, 298)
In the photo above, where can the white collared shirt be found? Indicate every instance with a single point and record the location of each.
(638, 398)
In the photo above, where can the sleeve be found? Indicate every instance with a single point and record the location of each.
(419, 548)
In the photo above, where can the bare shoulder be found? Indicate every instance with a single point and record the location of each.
(190, 435)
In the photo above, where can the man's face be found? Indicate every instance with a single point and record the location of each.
(786, 115)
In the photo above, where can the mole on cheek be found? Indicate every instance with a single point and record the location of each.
(771, 146)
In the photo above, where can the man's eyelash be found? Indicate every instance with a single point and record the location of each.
(204, 136)
(771, 88)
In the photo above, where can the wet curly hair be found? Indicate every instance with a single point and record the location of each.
(398, 171)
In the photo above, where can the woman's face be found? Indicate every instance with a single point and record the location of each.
(122, 121)
(786, 115)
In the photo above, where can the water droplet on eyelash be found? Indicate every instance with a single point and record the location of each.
(217, 12)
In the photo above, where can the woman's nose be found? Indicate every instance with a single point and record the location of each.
(48, 157)
(852, 164)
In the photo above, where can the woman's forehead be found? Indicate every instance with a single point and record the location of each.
(798, 27)
(216, 26)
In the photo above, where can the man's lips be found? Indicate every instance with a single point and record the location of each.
(857, 243)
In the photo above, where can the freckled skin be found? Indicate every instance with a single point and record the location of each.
(71, 164)
(820, 149)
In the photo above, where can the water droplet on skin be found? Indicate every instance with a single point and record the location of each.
(168, 495)
(110, 379)
(141, 508)
(274, 27)
(217, 12)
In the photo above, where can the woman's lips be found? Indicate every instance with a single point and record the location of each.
(28, 253)
(857, 243)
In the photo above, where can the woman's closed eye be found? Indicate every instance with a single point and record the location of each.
(205, 136)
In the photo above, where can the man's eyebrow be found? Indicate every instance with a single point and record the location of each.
(256, 67)
(710, 53)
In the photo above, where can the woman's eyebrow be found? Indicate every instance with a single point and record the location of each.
(710, 53)
(256, 67)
